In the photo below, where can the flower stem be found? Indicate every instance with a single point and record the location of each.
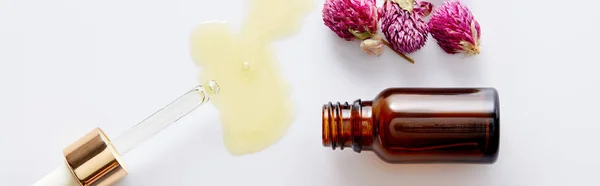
(399, 53)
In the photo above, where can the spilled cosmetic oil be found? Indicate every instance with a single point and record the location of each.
(254, 98)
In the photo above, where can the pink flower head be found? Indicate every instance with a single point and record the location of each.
(455, 28)
(405, 30)
(351, 19)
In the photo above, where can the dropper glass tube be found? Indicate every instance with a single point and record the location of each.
(164, 117)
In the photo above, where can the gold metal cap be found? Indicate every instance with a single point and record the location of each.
(94, 161)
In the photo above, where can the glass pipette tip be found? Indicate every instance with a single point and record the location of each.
(164, 117)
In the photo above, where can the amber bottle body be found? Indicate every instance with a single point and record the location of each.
(419, 125)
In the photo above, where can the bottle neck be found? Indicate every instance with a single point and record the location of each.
(347, 125)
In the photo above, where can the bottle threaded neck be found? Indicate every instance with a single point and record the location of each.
(336, 122)
(346, 125)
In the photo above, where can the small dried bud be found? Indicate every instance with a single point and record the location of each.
(373, 46)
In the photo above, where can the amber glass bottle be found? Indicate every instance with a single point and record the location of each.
(419, 125)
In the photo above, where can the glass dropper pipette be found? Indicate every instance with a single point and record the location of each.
(164, 117)
(92, 160)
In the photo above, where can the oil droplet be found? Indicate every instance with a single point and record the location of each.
(254, 101)
(213, 87)
(246, 66)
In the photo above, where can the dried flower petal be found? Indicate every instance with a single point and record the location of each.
(407, 5)
(424, 8)
(360, 35)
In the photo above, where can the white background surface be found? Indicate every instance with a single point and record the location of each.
(67, 66)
